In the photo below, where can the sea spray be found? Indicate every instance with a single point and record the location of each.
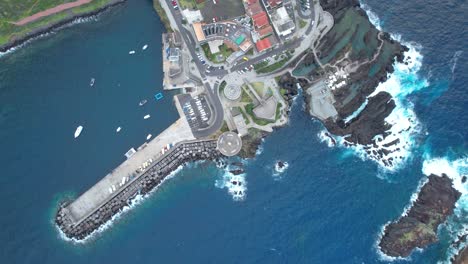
(404, 81)
(235, 184)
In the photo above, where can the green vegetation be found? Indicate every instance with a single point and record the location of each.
(278, 111)
(190, 4)
(224, 128)
(260, 65)
(222, 86)
(240, 110)
(223, 50)
(259, 88)
(273, 67)
(283, 91)
(302, 23)
(162, 15)
(259, 121)
(245, 96)
(250, 52)
(13, 11)
(246, 119)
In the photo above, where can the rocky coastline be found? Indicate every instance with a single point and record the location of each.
(56, 25)
(360, 84)
(418, 228)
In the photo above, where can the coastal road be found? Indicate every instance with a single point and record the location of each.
(213, 96)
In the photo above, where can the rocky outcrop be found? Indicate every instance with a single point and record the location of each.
(289, 84)
(354, 43)
(461, 257)
(370, 122)
(251, 143)
(435, 202)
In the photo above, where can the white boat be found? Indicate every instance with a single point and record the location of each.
(143, 102)
(131, 52)
(144, 47)
(91, 83)
(146, 116)
(78, 131)
(149, 136)
(118, 129)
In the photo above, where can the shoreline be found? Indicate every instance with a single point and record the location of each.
(12, 44)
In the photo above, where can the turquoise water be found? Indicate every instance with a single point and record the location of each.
(328, 207)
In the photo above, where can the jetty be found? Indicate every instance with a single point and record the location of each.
(95, 207)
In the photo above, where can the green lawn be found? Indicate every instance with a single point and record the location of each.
(302, 23)
(223, 50)
(275, 66)
(190, 4)
(14, 10)
(245, 96)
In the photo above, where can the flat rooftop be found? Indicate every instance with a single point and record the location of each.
(119, 178)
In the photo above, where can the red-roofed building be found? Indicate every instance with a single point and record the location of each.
(274, 3)
(265, 31)
(263, 44)
(260, 20)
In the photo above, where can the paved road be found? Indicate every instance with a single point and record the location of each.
(213, 97)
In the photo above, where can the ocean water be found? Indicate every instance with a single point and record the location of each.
(328, 206)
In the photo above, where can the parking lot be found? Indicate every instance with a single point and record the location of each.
(196, 111)
(222, 10)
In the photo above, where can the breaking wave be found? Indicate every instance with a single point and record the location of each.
(280, 169)
(393, 151)
(453, 62)
(235, 184)
(138, 199)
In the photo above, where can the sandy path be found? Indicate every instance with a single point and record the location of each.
(50, 11)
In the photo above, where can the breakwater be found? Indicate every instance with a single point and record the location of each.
(148, 179)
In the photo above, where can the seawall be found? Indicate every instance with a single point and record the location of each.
(143, 183)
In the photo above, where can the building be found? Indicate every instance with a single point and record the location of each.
(282, 22)
(263, 44)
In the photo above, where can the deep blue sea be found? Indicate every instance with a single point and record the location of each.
(328, 206)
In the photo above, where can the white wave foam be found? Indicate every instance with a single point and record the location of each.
(455, 170)
(235, 184)
(403, 120)
(382, 256)
(138, 199)
(280, 170)
(453, 62)
(327, 138)
(373, 18)
(260, 148)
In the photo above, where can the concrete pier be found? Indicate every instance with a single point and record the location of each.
(96, 206)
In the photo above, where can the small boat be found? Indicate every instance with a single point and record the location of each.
(131, 52)
(149, 136)
(158, 96)
(142, 102)
(78, 131)
(118, 129)
(91, 83)
(146, 116)
(144, 47)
